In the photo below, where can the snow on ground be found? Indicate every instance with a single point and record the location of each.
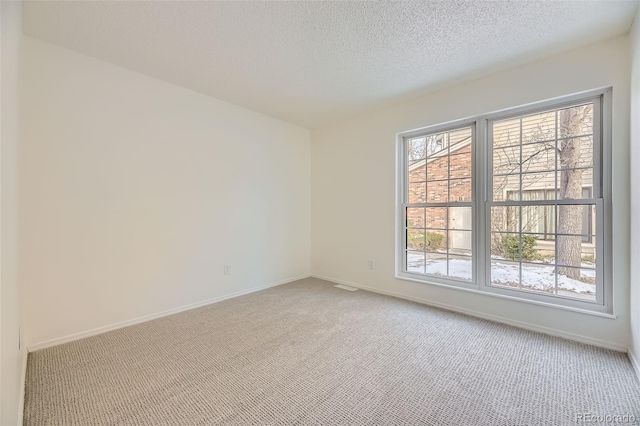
(534, 277)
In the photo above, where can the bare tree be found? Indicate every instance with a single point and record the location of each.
(426, 146)
(416, 149)
(571, 123)
(569, 248)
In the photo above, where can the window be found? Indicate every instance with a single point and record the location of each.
(511, 203)
(438, 212)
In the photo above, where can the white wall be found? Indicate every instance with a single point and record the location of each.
(11, 356)
(634, 300)
(134, 193)
(353, 185)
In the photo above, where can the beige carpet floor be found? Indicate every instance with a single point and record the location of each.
(308, 353)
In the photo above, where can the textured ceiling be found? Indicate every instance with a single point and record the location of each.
(312, 63)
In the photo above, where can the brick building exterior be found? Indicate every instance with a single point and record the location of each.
(439, 179)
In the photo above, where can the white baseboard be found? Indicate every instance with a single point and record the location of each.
(635, 363)
(520, 324)
(23, 385)
(145, 318)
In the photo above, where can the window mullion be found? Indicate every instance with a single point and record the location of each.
(478, 169)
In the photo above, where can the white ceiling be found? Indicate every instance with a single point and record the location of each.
(312, 63)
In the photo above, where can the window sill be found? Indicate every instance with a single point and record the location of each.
(407, 277)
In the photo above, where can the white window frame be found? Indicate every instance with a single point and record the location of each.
(481, 158)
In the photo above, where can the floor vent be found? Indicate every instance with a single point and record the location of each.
(345, 287)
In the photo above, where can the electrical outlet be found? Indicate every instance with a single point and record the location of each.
(227, 269)
(372, 264)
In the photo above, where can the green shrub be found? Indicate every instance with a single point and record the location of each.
(511, 247)
(415, 239)
(434, 241)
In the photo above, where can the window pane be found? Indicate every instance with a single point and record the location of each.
(449, 155)
(576, 219)
(578, 283)
(506, 133)
(536, 249)
(416, 239)
(575, 121)
(506, 188)
(505, 246)
(438, 168)
(415, 262)
(572, 182)
(505, 218)
(539, 157)
(460, 164)
(460, 242)
(505, 273)
(545, 181)
(588, 217)
(460, 190)
(436, 264)
(575, 152)
(437, 217)
(539, 127)
(460, 138)
(577, 251)
(436, 240)
(460, 218)
(415, 217)
(437, 144)
(438, 192)
(525, 247)
(417, 172)
(416, 149)
(538, 219)
(538, 278)
(417, 193)
(506, 160)
(460, 267)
